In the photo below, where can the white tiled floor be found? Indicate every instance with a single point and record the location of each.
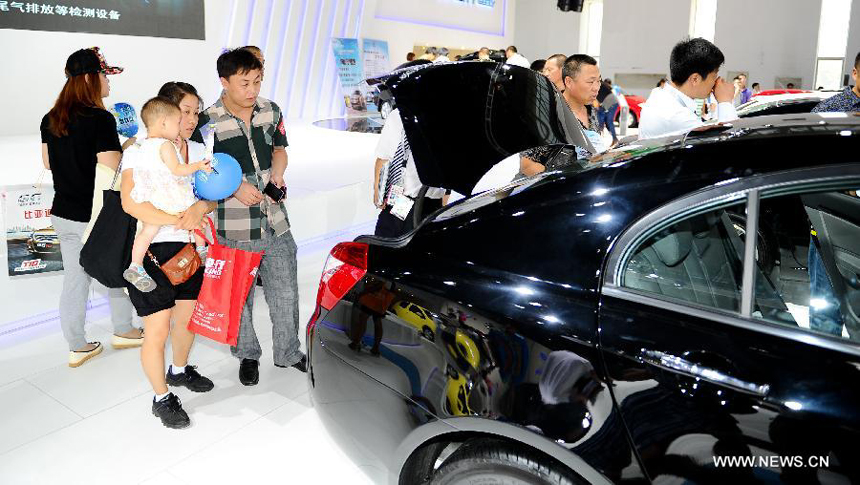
(93, 425)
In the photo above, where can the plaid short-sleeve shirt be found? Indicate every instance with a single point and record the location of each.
(253, 148)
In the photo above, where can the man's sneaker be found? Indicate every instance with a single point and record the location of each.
(301, 365)
(190, 379)
(249, 372)
(169, 409)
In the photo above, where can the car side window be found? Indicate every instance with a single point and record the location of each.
(808, 257)
(697, 260)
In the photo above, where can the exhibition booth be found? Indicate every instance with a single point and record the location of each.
(493, 269)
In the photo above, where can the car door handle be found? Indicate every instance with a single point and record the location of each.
(680, 365)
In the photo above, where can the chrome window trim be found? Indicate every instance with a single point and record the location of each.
(748, 278)
(797, 334)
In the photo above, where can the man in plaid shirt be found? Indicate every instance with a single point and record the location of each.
(251, 129)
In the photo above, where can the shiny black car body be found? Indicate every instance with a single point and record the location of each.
(569, 345)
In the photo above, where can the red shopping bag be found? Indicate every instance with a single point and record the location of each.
(227, 279)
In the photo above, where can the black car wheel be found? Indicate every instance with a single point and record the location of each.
(428, 333)
(492, 461)
(632, 120)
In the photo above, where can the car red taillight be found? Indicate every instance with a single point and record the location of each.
(346, 265)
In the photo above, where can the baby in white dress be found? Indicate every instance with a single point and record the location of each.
(161, 179)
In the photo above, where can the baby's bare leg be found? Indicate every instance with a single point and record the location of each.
(142, 241)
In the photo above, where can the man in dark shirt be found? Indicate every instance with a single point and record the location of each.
(848, 100)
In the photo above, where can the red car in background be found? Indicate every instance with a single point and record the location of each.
(633, 102)
(771, 92)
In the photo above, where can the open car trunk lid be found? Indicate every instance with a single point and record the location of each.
(463, 118)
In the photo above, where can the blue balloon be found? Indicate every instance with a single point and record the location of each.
(126, 119)
(225, 178)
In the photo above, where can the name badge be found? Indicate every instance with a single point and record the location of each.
(400, 204)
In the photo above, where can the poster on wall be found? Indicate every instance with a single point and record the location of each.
(375, 60)
(347, 57)
(32, 245)
(151, 18)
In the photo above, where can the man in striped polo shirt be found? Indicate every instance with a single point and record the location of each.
(251, 129)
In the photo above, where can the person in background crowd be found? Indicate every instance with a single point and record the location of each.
(694, 66)
(746, 93)
(430, 54)
(259, 55)
(552, 70)
(538, 65)
(756, 88)
(397, 216)
(736, 99)
(251, 129)
(660, 84)
(167, 302)
(789, 86)
(410, 56)
(709, 108)
(78, 133)
(606, 111)
(828, 318)
(515, 58)
(442, 55)
(846, 101)
(484, 54)
(581, 84)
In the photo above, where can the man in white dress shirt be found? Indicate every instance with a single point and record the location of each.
(402, 185)
(515, 58)
(694, 66)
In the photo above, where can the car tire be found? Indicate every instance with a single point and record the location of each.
(492, 461)
(632, 119)
(428, 333)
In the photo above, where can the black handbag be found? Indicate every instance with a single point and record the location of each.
(107, 252)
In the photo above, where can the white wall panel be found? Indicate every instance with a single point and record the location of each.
(638, 36)
(853, 39)
(419, 25)
(541, 29)
(769, 38)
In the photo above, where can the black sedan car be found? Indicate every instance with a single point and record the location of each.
(605, 321)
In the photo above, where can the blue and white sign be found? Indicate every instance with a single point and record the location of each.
(347, 57)
(375, 60)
